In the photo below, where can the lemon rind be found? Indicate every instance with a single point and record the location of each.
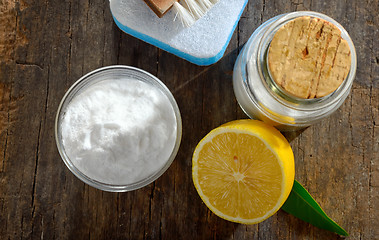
(231, 128)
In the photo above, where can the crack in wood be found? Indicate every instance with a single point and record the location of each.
(130, 220)
(5, 152)
(7, 107)
(160, 225)
(118, 205)
(350, 121)
(119, 46)
(33, 211)
(69, 31)
(36, 167)
(297, 4)
(29, 64)
(151, 199)
(41, 236)
(85, 31)
(238, 39)
(263, 10)
(104, 39)
(54, 225)
(5, 103)
(158, 56)
(70, 45)
(22, 225)
(47, 93)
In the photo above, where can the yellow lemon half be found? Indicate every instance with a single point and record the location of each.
(243, 171)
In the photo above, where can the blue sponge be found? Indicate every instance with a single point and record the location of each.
(204, 43)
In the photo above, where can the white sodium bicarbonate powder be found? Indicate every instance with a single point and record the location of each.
(119, 131)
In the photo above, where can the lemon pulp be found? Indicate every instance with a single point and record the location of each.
(243, 171)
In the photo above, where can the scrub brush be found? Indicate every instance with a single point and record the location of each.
(189, 11)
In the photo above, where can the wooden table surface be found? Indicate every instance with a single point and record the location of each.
(46, 45)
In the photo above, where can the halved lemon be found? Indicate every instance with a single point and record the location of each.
(243, 171)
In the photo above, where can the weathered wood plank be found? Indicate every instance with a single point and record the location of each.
(46, 46)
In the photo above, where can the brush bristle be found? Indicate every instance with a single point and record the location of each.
(189, 11)
(185, 17)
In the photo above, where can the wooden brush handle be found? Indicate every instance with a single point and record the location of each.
(160, 7)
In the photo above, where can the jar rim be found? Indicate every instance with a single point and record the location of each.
(84, 82)
(257, 99)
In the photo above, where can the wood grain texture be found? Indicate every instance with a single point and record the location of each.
(46, 45)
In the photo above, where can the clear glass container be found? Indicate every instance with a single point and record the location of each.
(260, 97)
(107, 74)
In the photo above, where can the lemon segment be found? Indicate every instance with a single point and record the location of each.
(243, 171)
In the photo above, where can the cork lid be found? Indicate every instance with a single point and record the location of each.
(308, 58)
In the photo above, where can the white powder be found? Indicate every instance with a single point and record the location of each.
(119, 131)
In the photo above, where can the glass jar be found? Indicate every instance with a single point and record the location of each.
(259, 96)
(109, 74)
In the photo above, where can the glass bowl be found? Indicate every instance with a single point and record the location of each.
(106, 74)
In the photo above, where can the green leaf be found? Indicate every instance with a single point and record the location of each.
(301, 204)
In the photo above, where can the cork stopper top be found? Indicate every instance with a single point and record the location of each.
(308, 58)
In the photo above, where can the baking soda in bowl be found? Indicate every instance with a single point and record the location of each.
(119, 131)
